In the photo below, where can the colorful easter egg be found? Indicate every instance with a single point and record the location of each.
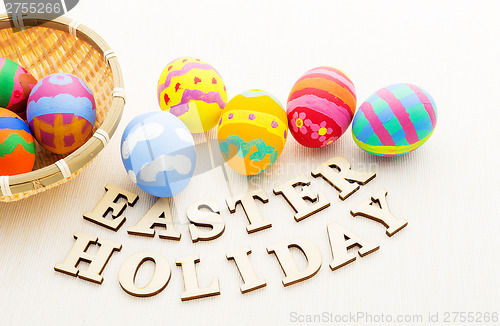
(252, 131)
(193, 91)
(395, 120)
(16, 84)
(158, 153)
(17, 147)
(61, 113)
(321, 106)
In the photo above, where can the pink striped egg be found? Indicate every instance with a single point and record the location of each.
(321, 106)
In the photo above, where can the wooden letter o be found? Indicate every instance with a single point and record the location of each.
(131, 265)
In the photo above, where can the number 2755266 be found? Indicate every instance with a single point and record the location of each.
(33, 8)
(470, 317)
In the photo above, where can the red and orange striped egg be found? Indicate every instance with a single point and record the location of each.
(321, 106)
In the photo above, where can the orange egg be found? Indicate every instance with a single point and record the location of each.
(17, 147)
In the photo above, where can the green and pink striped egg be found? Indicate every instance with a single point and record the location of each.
(16, 84)
(395, 120)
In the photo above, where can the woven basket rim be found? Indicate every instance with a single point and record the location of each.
(51, 175)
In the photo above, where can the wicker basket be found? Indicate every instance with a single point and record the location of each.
(63, 45)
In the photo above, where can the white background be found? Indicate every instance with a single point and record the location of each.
(445, 260)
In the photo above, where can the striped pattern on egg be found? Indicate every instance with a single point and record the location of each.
(321, 106)
(193, 91)
(395, 120)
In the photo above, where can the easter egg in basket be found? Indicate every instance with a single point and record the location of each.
(158, 153)
(321, 106)
(193, 91)
(61, 113)
(16, 84)
(395, 120)
(17, 147)
(252, 131)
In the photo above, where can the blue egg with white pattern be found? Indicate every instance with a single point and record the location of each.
(158, 153)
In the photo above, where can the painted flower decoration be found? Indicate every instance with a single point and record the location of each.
(298, 122)
(329, 141)
(320, 131)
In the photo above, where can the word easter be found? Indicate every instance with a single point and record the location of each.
(336, 171)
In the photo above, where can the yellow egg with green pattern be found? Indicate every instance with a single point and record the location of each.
(252, 132)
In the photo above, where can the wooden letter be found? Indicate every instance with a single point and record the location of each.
(292, 273)
(192, 288)
(247, 201)
(342, 240)
(381, 214)
(250, 280)
(210, 219)
(96, 262)
(109, 203)
(129, 269)
(340, 179)
(158, 215)
(297, 199)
